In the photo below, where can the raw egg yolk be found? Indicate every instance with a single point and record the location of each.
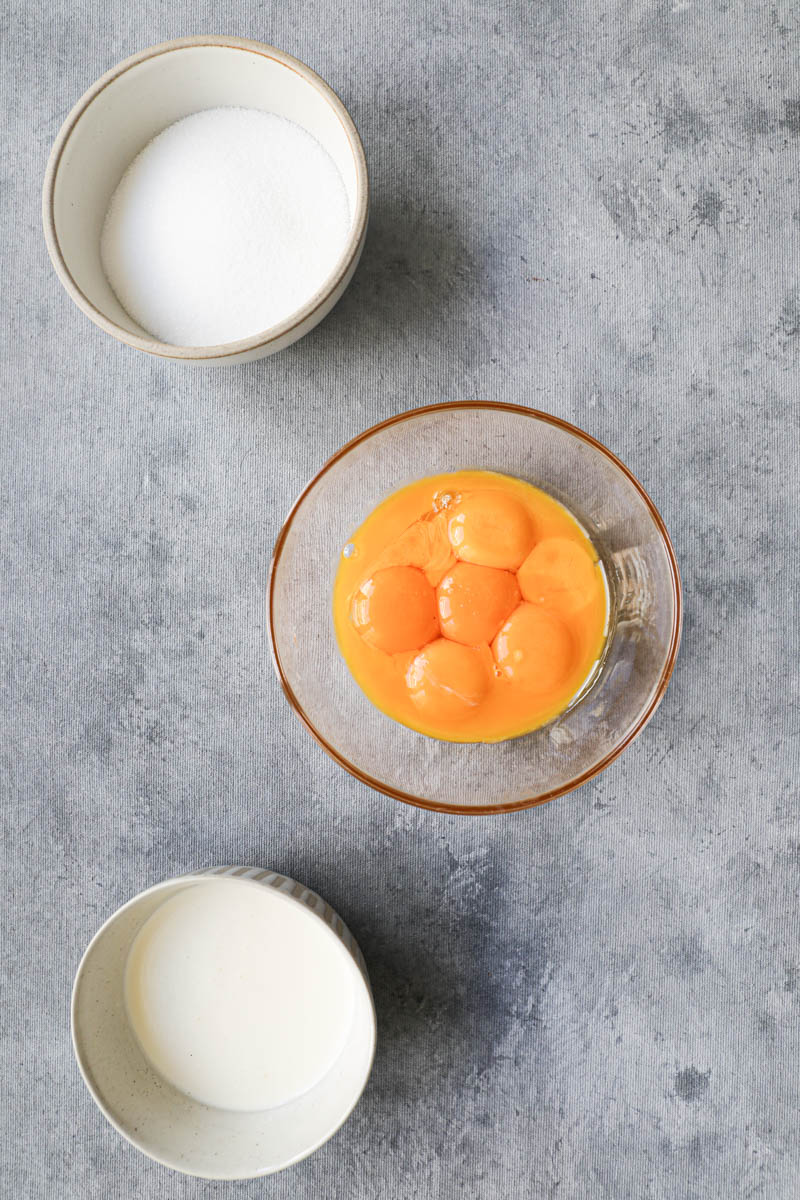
(474, 602)
(395, 610)
(561, 573)
(534, 649)
(446, 679)
(492, 529)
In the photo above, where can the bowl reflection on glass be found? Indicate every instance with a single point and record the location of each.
(645, 599)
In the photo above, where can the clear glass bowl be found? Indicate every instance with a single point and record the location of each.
(645, 607)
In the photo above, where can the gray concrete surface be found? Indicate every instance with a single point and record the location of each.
(590, 208)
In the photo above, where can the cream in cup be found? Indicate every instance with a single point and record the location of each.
(223, 1022)
(236, 997)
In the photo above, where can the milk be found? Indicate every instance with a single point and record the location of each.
(238, 996)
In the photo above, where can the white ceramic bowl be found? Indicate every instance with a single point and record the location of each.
(139, 98)
(166, 1124)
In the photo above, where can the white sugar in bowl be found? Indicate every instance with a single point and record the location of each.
(121, 114)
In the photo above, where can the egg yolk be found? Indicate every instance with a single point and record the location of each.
(534, 649)
(471, 607)
(446, 679)
(561, 573)
(475, 601)
(492, 529)
(395, 610)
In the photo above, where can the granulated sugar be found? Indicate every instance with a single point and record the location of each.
(226, 223)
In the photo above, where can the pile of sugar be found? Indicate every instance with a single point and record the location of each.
(226, 223)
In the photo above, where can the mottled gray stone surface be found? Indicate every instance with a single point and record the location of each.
(591, 208)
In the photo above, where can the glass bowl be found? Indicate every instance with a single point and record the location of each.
(640, 565)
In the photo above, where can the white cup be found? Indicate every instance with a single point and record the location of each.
(139, 98)
(168, 1125)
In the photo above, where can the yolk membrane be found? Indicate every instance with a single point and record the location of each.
(491, 529)
(395, 609)
(561, 573)
(534, 649)
(475, 601)
(447, 679)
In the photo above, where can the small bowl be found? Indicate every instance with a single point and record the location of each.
(139, 98)
(645, 607)
(164, 1123)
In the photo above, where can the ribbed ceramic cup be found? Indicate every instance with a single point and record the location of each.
(164, 1123)
(139, 98)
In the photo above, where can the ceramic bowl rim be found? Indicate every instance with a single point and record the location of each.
(256, 341)
(203, 876)
(584, 776)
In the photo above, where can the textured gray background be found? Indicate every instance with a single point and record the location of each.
(591, 208)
